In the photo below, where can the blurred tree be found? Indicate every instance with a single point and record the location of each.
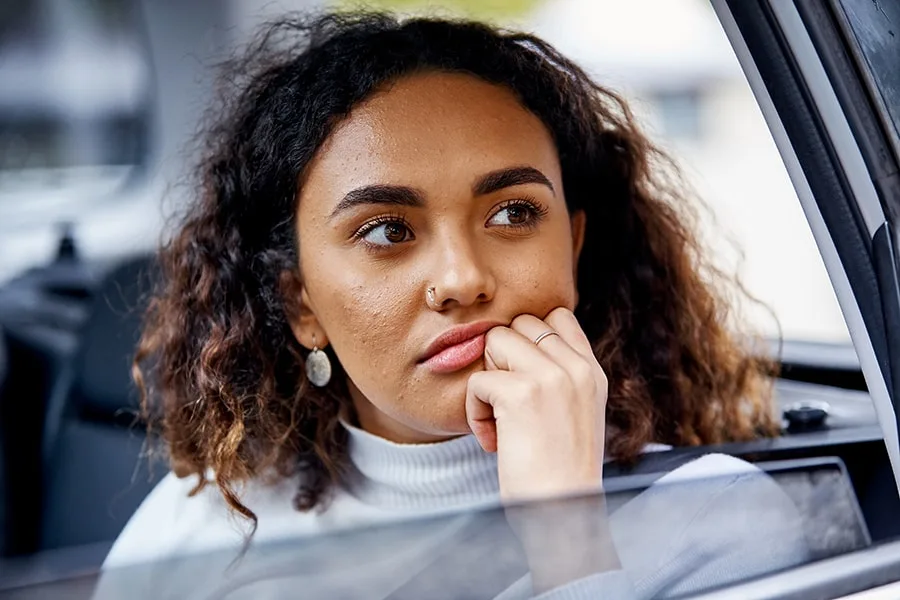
(497, 10)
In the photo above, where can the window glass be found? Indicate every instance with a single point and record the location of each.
(74, 101)
(678, 112)
(672, 61)
(679, 70)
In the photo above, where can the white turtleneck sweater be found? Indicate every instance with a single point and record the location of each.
(670, 539)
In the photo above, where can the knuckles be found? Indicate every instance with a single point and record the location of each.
(531, 389)
(602, 380)
(555, 378)
(583, 379)
(519, 323)
(492, 335)
(560, 312)
(584, 373)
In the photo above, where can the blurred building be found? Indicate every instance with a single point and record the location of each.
(672, 59)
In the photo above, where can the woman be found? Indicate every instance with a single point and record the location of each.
(409, 232)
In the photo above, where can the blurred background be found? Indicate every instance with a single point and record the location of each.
(100, 99)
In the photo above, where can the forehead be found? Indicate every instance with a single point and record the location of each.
(431, 130)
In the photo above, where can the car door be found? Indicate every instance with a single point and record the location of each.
(831, 119)
(826, 75)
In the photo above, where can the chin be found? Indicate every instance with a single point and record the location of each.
(434, 406)
(458, 425)
(449, 406)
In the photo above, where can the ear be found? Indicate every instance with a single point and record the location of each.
(578, 221)
(300, 313)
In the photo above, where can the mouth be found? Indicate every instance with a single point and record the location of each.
(457, 348)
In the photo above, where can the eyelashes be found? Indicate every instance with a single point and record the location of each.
(520, 213)
(386, 231)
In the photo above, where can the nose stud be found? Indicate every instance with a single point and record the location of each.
(430, 298)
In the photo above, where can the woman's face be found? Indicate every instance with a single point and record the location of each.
(440, 181)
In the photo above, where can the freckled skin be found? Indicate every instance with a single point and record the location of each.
(437, 133)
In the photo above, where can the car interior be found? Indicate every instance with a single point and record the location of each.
(70, 412)
(74, 453)
(80, 426)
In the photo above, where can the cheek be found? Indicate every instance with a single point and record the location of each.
(539, 279)
(365, 319)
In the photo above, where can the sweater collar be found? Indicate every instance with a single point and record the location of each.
(441, 475)
(437, 476)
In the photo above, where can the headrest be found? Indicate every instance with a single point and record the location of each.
(3, 359)
(101, 377)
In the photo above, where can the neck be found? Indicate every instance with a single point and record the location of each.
(425, 476)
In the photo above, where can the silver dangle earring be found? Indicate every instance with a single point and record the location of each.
(318, 366)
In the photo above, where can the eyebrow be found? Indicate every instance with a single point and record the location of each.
(397, 195)
(400, 195)
(504, 178)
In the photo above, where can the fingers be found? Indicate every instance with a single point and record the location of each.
(563, 321)
(541, 407)
(508, 350)
(559, 349)
(484, 390)
(513, 349)
(520, 371)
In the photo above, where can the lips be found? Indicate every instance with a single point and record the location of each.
(457, 348)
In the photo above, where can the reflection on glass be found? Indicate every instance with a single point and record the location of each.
(671, 534)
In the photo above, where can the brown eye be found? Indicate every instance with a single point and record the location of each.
(394, 232)
(386, 233)
(517, 214)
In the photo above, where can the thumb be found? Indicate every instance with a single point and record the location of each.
(489, 363)
(482, 389)
(486, 434)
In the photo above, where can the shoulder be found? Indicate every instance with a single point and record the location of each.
(167, 516)
(711, 466)
(716, 485)
(714, 520)
(693, 488)
(172, 522)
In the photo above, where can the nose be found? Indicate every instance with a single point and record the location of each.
(461, 275)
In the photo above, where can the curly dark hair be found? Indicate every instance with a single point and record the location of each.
(225, 382)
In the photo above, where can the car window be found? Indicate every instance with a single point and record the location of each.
(689, 92)
(476, 554)
(687, 89)
(74, 104)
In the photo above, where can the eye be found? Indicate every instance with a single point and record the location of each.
(385, 232)
(517, 213)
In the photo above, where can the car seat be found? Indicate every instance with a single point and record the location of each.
(95, 473)
(4, 517)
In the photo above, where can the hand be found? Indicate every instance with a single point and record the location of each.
(542, 407)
